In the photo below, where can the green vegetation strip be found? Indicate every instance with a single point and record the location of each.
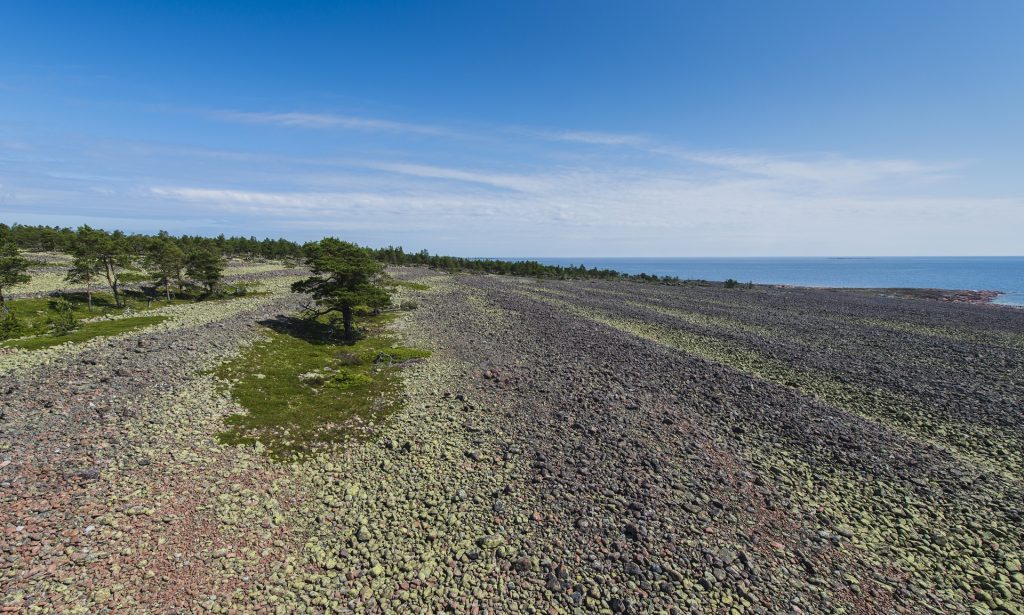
(85, 332)
(693, 317)
(985, 446)
(1007, 340)
(304, 390)
(409, 285)
(706, 320)
(36, 316)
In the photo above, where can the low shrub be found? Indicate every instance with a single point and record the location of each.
(62, 317)
(10, 325)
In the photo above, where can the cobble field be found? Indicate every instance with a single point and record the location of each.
(568, 447)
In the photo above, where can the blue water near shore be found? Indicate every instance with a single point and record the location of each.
(1005, 274)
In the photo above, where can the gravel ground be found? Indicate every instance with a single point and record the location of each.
(569, 447)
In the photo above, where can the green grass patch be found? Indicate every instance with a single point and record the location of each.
(993, 338)
(85, 331)
(409, 285)
(35, 315)
(305, 390)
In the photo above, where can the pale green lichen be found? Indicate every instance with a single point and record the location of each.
(992, 338)
(247, 268)
(45, 281)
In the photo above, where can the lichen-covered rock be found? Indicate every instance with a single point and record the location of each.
(569, 447)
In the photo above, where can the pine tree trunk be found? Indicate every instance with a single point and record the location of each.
(112, 280)
(346, 315)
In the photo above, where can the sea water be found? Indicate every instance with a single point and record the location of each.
(1001, 273)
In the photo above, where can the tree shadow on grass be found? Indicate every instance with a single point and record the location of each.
(309, 330)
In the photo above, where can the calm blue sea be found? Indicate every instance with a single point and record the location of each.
(1004, 274)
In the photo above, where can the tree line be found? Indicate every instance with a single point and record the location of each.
(61, 239)
(392, 255)
(101, 258)
(345, 276)
(115, 258)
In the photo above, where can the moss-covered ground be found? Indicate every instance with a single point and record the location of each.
(305, 389)
(34, 314)
(85, 331)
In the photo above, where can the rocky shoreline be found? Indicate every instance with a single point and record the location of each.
(935, 294)
(569, 447)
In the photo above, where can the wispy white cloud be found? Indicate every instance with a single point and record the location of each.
(85, 177)
(585, 137)
(386, 203)
(519, 182)
(327, 120)
(821, 168)
(626, 194)
(664, 207)
(598, 138)
(302, 119)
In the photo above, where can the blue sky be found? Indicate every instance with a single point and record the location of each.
(524, 128)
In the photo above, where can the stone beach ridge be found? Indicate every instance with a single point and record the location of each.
(570, 446)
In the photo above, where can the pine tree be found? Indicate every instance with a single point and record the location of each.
(12, 268)
(205, 267)
(345, 276)
(165, 260)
